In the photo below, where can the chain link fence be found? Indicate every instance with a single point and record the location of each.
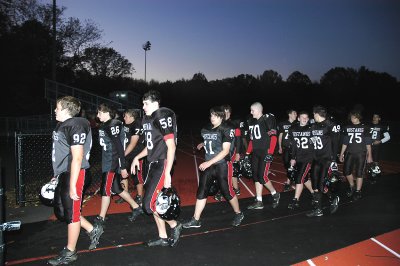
(34, 168)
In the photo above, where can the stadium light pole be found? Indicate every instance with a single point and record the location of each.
(53, 50)
(146, 47)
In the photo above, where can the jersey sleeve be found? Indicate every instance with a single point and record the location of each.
(78, 134)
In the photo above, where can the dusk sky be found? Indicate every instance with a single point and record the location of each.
(226, 38)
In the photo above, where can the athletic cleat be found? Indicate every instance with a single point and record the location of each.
(119, 201)
(257, 205)
(95, 235)
(192, 223)
(315, 213)
(66, 256)
(138, 200)
(276, 198)
(163, 242)
(237, 220)
(237, 191)
(294, 204)
(135, 214)
(357, 195)
(218, 196)
(175, 234)
(98, 220)
(350, 192)
(286, 187)
(334, 204)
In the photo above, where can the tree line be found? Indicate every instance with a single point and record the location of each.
(85, 61)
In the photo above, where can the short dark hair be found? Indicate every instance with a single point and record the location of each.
(321, 110)
(132, 112)
(218, 111)
(303, 113)
(227, 107)
(103, 107)
(356, 113)
(289, 111)
(153, 96)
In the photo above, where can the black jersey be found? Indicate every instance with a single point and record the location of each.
(283, 127)
(235, 133)
(112, 139)
(135, 128)
(73, 131)
(261, 130)
(302, 148)
(377, 131)
(213, 140)
(325, 137)
(158, 127)
(356, 137)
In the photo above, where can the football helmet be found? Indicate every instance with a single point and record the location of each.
(213, 188)
(245, 164)
(374, 171)
(46, 195)
(332, 180)
(237, 170)
(291, 173)
(168, 204)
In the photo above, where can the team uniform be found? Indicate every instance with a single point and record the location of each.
(325, 138)
(283, 128)
(356, 137)
(302, 150)
(135, 128)
(378, 132)
(221, 170)
(157, 128)
(262, 144)
(112, 139)
(73, 131)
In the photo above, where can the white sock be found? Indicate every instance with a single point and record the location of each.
(259, 198)
(273, 193)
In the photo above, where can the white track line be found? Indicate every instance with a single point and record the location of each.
(248, 189)
(385, 247)
(310, 262)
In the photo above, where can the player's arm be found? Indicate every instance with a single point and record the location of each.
(76, 163)
(170, 142)
(132, 144)
(135, 163)
(280, 137)
(221, 155)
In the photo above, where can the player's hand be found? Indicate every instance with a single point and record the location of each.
(200, 146)
(124, 173)
(167, 180)
(204, 166)
(268, 158)
(135, 166)
(72, 193)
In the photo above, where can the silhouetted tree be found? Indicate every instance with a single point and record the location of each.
(105, 62)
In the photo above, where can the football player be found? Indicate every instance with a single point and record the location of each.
(262, 130)
(218, 137)
(112, 139)
(134, 144)
(325, 138)
(379, 134)
(72, 141)
(356, 148)
(284, 143)
(301, 156)
(160, 134)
